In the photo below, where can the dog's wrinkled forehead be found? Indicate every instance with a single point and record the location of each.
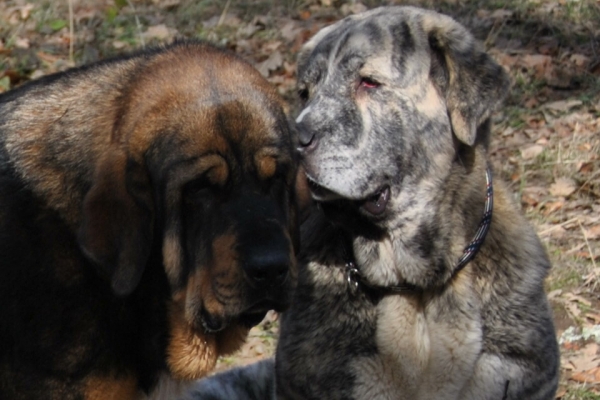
(380, 42)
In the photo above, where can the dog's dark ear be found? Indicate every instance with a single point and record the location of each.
(302, 194)
(475, 84)
(117, 221)
(301, 206)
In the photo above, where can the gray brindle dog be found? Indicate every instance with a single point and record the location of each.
(421, 280)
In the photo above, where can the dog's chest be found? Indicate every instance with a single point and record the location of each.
(326, 328)
(423, 352)
(167, 388)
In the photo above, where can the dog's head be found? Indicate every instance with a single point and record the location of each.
(391, 99)
(198, 179)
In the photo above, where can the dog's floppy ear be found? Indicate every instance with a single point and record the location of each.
(117, 221)
(302, 194)
(475, 83)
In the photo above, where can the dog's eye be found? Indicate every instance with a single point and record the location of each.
(197, 188)
(368, 82)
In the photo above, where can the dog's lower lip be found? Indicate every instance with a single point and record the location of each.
(377, 203)
(211, 324)
(320, 193)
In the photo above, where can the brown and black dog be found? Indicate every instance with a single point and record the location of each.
(147, 221)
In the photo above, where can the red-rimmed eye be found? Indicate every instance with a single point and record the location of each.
(368, 83)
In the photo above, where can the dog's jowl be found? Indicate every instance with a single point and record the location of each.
(422, 280)
(148, 221)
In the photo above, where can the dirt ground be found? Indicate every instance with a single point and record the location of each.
(546, 141)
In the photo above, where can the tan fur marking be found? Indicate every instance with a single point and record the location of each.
(190, 354)
(226, 262)
(266, 167)
(200, 290)
(108, 388)
(431, 104)
(218, 174)
(172, 256)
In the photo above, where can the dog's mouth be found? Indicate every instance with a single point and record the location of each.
(321, 193)
(377, 203)
(374, 204)
(249, 318)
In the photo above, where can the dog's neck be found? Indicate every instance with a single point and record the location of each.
(395, 265)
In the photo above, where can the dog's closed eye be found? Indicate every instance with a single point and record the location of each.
(368, 83)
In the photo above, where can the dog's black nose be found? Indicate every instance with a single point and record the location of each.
(307, 139)
(267, 269)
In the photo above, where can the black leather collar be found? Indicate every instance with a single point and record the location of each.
(356, 281)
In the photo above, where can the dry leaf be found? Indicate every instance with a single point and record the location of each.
(562, 187)
(579, 60)
(540, 64)
(246, 31)
(586, 254)
(562, 105)
(290, 30)
(166, 4)
(579, 299)
(554, 294)
(586, 359)
(588, 376)
(557, 232)
(160, 32)
(573, 309)
(228, 19)
(593, 232)
(274, 61)
(531, 152)
(355, 8)
(501, 14)
(304, 15)
(570, 346)
(595, 318)
(22, 43)
(47, 57)
(118, 44)
(531, 102)
(532, 195)
(553, 206)
(506, 60)
(585, 167)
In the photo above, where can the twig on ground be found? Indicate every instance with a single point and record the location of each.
(71, 32)
(224, 13)
(587, 243)
(137, 24)
(552, 228)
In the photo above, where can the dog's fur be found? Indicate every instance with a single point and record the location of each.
(148, 221)
(401, 98)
